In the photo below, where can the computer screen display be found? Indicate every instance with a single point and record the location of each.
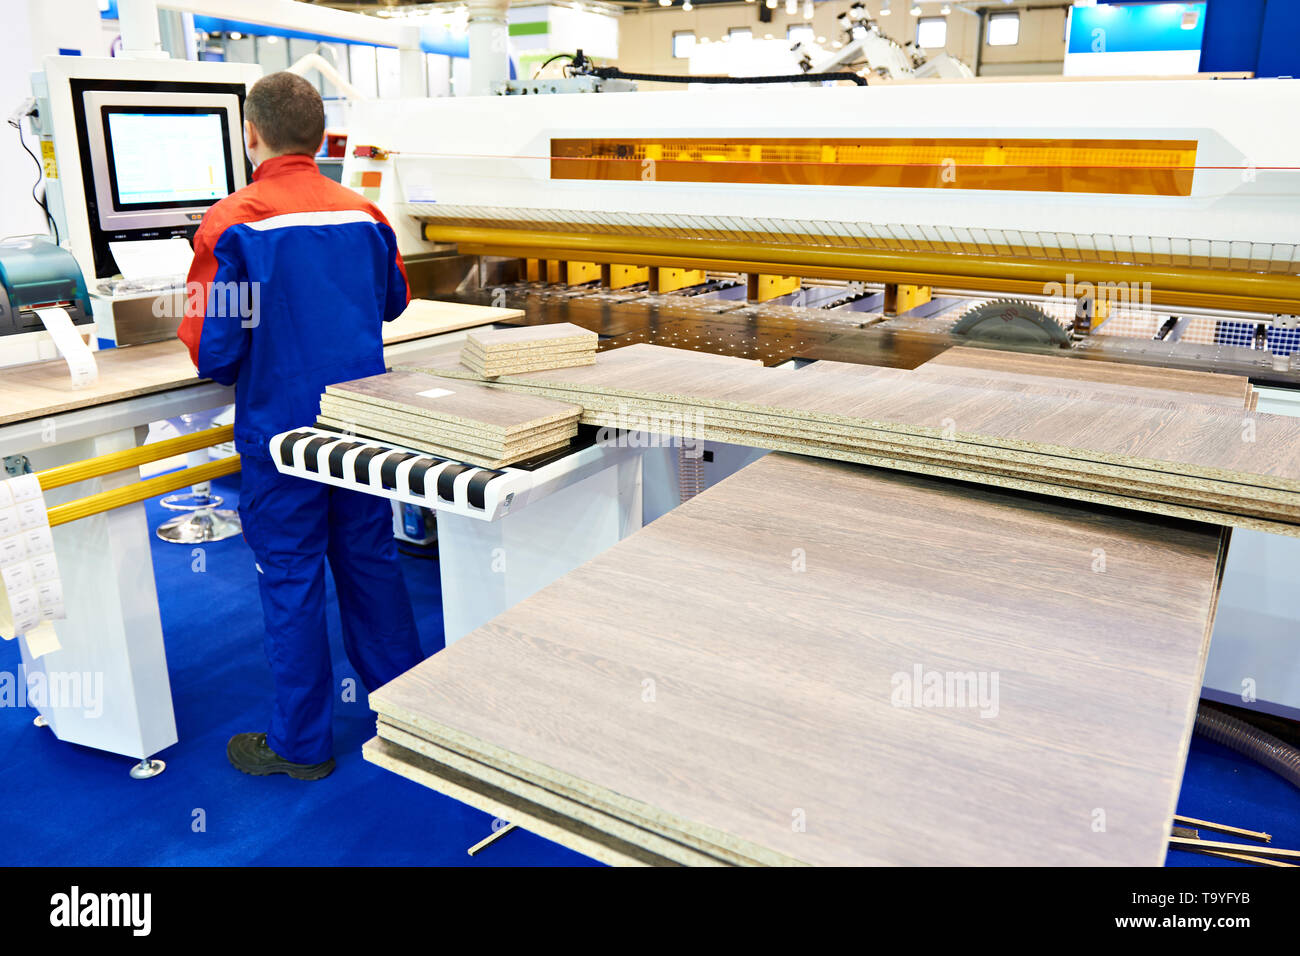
(167, 157)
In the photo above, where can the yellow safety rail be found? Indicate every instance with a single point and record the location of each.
(102, 465)
(130, 494)
(77, 471)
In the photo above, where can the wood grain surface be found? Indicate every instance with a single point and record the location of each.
(469, 349)
(1204, 442)
(1182, 444)
(761, 707)
(406, 440)
(434, 399)
(532, 337)
(445, 438)
(1215, 496)
(1187, 510)
(1082, 370)
(452, 432)
(449, 417)
(1073, 389)
(444, 358)
(44, 388)
(424, 317)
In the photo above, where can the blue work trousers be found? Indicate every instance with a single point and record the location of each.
(292, 526)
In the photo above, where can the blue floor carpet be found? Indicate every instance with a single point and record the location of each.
(62, 804)
(1224, 787)
(66, 805)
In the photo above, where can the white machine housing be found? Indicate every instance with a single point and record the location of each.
(487, 160)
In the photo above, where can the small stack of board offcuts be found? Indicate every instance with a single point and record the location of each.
(532, 348)
(450, 418)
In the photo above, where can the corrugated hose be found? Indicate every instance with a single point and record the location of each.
(1258, 745)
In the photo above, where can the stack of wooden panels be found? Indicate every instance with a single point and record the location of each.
(1200, 454)
(451, 418)
(527, 349)
(855, 666)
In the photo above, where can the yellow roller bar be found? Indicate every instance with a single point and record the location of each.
(77, 471)
(1169, 285)
(150, 488)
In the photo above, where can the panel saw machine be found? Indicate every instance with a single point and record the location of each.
(1146, 221)
(1149, 221)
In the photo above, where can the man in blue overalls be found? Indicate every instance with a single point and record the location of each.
(293, 278)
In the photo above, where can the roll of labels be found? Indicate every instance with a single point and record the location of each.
(32, 596)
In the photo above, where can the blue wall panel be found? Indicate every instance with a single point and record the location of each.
(1259, 36)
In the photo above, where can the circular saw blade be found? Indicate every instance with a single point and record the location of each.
(1010, 320)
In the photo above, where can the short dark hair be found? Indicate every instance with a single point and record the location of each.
(288, 113)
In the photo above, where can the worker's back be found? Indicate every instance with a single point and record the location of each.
(292, 280)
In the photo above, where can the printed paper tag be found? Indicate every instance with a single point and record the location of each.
(17, 577)
(24, 487)
(49, 597)
(31, 514)
(12, 550)
(44, 568)
(38, 540)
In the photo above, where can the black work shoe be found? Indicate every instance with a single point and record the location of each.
(250, 754)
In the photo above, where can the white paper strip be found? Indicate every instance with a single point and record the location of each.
(81, 361)
(41, 640)
(152, 258)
